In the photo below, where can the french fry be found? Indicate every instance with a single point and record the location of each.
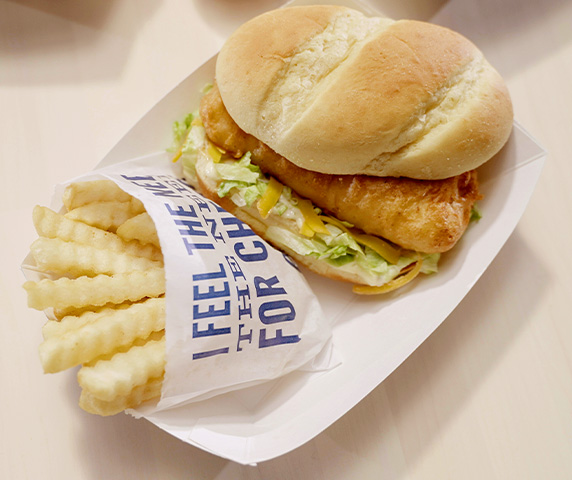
(81, 193)
(60, 313)
(76, 318)
(109, 379)
(140, 228)
(55, 328)
(81, 339)
(140, 394)
(50, 224)
(106, 215)
(138, 342)
(55, 255)
(96, 291)
(109, 302)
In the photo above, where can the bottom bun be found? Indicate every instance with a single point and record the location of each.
(260, 226)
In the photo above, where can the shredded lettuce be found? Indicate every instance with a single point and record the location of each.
(191, 138)
(252, 193)
(299, 244)
(180, 129)
(244, 183)
(476, 214)
(243, 176)
(430, 263)
(241, 170)
(343, 252)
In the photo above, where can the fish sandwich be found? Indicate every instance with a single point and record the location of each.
(349, 142)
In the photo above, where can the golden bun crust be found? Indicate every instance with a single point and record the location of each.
(337, 92)
(428, 216)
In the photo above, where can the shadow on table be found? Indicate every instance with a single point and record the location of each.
(124, 447)
(513, 34)
(49, 33)
(423, 10)
(224, 16)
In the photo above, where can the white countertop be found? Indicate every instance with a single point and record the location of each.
(487, 396)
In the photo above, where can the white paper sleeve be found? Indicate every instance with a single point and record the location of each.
(238, 311)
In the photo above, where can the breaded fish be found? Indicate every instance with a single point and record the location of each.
(423, 215)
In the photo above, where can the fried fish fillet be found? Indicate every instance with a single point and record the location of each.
(427, 216)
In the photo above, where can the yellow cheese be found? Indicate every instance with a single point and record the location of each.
(378, 245)
(270, 197)
(390, 286)
(214, 152)
(178, 154)
(312, 221)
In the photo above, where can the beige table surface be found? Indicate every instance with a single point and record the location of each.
(487, 396)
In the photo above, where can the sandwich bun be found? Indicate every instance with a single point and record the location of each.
(337, 92)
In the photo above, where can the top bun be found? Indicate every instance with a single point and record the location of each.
(337, 92)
